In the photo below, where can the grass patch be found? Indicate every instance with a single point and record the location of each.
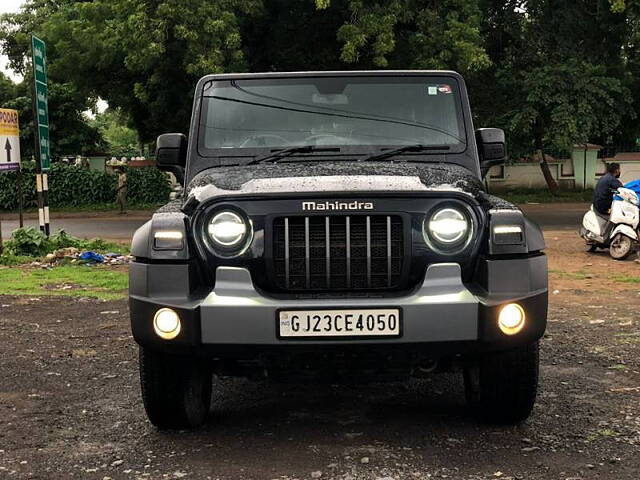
(541, 195)
(605, 432)
(625, 279)
(579, 275)
(617, 366)
(72, 281)
(8, 259)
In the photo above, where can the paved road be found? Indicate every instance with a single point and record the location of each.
(110, 227)
(115, 227)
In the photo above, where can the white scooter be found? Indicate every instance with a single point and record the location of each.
(618, 232)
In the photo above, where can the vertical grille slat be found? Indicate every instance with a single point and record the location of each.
(368, 251)
(286, 251)
(388, 251)
(348, 247)
(307, 255)
(338, 252)
(327, 241)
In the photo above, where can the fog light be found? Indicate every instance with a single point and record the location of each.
(511, 319)
(166, 323)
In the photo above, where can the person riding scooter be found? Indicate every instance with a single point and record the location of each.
(608, 183)
(612, 221)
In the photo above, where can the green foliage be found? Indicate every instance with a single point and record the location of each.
(10, 260)
(62, 239)
(563, 104)
(147, 186)
(440, 35)
(143, 57)
(559, 73)
(121, 140)
(71, 133)
(30, 242)
(79, 187)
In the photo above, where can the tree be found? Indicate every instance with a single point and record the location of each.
(7, 90)
(121, 139)
(557, 76)
(70, 132)
(414, 34)
(144, 57)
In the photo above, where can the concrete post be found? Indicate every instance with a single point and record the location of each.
(585, 160)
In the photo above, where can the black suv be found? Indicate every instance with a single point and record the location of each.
(334, 226)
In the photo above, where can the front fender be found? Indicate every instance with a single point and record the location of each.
(625, 230)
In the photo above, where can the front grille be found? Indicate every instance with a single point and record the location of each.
(338, 252)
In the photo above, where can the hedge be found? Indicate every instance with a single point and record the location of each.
(71, 186)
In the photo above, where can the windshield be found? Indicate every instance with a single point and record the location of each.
(270, 113)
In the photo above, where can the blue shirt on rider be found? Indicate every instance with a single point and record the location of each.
(603, 195)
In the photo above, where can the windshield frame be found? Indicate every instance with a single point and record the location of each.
(242, 155)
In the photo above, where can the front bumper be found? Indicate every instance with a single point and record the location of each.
(443, 314)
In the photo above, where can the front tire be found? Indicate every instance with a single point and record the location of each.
(502, 387)
(620, 247)
(176, 389)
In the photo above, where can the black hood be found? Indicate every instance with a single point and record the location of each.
(430, 174)
(347, 177)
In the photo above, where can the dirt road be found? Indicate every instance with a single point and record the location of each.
(70, 402)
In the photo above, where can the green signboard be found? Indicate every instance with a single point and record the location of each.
(39, 55)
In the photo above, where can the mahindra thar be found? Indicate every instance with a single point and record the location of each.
(334, 226)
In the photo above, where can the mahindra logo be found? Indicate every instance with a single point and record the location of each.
(322, 206)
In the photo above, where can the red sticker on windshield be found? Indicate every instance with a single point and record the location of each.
(444, 89)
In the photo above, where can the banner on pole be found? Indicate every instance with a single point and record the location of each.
(9, 140)
(39, 52)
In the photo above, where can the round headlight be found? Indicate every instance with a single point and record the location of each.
(448, 228)
(227, 229)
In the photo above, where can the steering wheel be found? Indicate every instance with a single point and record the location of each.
(280, 141)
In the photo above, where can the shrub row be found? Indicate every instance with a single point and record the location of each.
(78, 187)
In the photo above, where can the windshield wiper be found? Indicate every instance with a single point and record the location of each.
(275, 156)
(406, 148)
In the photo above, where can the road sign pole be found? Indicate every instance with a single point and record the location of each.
(20, 204)
(45, 202)
(36, 139)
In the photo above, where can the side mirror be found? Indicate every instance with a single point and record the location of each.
(492, 148)
(171, 154)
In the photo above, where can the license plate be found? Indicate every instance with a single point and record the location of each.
(383, 322)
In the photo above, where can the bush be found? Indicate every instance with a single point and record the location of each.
(70, 186)
(147, 185)
(30, 242)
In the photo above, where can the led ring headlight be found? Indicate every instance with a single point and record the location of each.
(448, 230)
(227, 229)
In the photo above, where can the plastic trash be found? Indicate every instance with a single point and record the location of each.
(92, 257)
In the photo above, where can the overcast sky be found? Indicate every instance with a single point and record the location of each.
(5, 7)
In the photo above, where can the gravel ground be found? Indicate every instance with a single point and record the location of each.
(70, 403)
